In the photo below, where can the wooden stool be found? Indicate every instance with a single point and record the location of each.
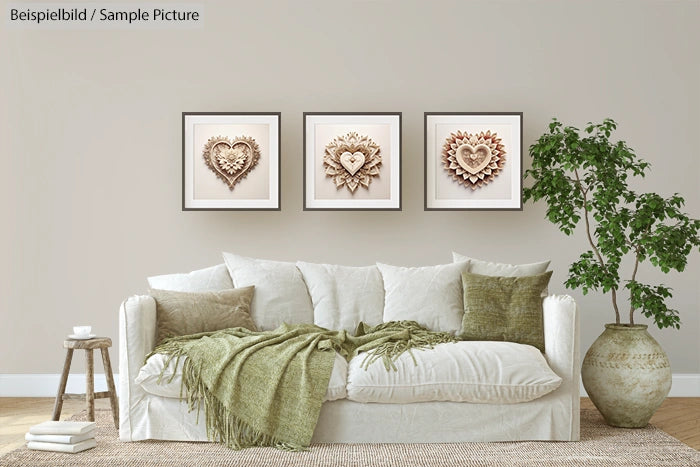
(88, 345)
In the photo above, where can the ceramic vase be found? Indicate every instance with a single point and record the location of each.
(627, 375)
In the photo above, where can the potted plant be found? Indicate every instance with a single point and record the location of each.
(583, 176)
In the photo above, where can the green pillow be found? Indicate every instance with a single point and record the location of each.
(504, 308)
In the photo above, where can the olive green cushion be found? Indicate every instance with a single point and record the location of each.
(183, 313)
(504, 308)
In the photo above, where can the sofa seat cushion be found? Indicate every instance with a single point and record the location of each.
(169, 385)
(474, 371)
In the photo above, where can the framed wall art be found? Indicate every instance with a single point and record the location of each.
(473, 161)
(230, 161)
(352, 161)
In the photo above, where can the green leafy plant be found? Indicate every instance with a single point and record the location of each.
(583, 175)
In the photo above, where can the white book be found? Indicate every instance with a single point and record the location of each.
(63, 439)
(62, 428)
(81, 446)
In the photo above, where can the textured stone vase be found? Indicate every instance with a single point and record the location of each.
(627, 375)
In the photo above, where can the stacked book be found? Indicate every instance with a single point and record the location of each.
(64, 436)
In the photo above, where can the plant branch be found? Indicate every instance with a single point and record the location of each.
(634, 275)
(613, 291)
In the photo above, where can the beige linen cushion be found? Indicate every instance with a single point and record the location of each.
(343, 296)
(431, 295)
(478, 372)
(504, 308)
(202, 280)
(182, 313)
(280, 291)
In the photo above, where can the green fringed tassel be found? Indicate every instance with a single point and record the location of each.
(418, 338)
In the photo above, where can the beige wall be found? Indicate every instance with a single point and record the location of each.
(91, 142)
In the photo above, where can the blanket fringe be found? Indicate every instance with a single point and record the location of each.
(222, 425)
(418, 338)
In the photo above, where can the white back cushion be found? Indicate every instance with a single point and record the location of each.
(468, 371)
(431, 295)
(343, 296)
(488, 268)
(211, 279)
(280, 292)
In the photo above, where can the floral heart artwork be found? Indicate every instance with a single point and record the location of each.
(473, 160)
(352, 160)
(231, 160)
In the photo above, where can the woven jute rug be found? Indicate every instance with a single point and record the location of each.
(600, 445)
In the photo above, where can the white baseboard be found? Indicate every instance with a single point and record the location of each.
(46, 385)
(682, 385)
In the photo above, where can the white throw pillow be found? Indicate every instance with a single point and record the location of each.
(343, 296)
(171, 381)
(468, 371)
(431, 295)
(487, 268)
(280, 292)
(212, 279)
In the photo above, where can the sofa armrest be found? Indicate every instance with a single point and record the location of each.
(562, 349)
(137, 335)
(561, 336)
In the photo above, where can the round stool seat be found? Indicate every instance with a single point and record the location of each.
(94, 343)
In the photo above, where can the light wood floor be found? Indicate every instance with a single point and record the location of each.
(679, 416)
(17, 414)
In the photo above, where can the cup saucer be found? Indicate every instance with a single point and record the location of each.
(81, 337)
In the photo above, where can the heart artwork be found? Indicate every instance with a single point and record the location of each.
(231, 160)
(473, 159)
(352, 161)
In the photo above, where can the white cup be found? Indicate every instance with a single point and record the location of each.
(82, 331)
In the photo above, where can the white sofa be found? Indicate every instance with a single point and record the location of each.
(148, 413)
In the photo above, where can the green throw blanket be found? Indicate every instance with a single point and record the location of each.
(266, 388)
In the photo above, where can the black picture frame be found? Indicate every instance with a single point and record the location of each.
(192, 156)
(439, 180)
(312, 161)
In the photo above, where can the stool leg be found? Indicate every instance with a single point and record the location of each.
(58, 405)
(110, 385)
(90, 385)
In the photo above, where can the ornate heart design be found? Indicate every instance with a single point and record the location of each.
(352, 161)
(231, 160)
(473, 159)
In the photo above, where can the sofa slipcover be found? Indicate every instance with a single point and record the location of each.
(554, 416)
